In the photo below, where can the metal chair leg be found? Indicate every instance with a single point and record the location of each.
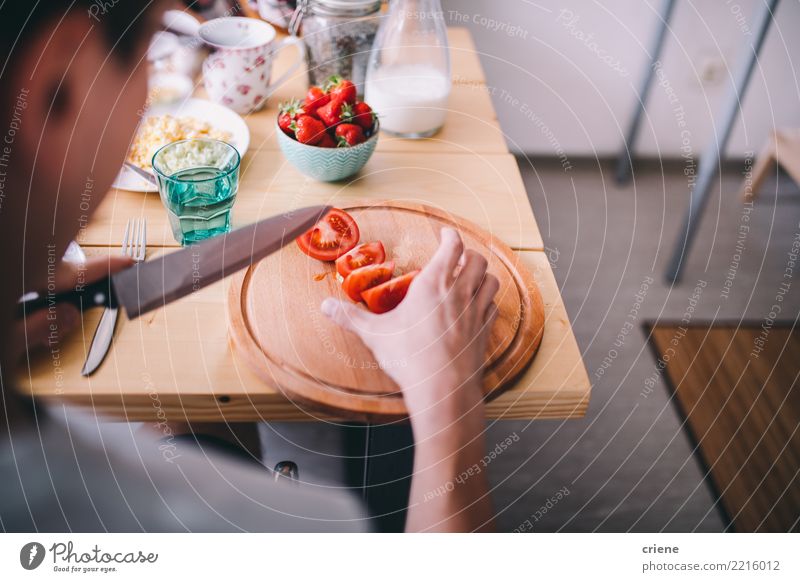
(625, 158)
(709, 161)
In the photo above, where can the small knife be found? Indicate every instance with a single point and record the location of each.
(101, 341)
(157, 282)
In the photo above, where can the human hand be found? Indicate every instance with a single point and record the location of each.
(433, 345)
(45, 327)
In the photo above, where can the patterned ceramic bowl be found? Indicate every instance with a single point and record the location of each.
(327, 164)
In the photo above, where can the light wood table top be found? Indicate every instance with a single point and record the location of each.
(178, 361)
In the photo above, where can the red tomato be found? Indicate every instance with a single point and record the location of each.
(366, 277)
(331, 237)
(361, 256)
(387, 296)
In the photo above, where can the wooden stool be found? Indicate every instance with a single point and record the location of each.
(783, 148)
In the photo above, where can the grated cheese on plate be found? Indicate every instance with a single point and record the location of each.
(159, 130)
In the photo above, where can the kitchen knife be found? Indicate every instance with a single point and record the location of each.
(157, 282)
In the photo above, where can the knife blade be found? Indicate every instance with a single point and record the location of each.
(157, 282)
(101, 341)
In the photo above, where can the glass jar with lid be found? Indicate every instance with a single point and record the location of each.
(338, 35)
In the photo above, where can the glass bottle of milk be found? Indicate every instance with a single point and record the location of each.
(408, 76)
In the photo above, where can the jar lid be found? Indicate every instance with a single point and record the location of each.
(353, 8)
(345, 7)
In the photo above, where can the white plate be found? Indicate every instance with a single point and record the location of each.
(219, 117)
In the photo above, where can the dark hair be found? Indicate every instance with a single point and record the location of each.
(123, 22)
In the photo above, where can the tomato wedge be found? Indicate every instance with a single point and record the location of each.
(333, 236)
(386, 296)
(361, 256)
(362, 279)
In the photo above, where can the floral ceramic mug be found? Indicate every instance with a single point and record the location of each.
(238, 73)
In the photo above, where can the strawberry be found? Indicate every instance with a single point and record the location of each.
(288, 114)
(360, 114)
(308, 130)
(315, 98)
(327, 141)
(349, 134)
(341, 88)
(331, 113)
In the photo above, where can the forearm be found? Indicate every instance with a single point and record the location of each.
(449, 488)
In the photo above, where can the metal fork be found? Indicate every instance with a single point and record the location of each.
(134, 244)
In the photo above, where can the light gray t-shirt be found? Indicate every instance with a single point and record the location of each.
(70, 472)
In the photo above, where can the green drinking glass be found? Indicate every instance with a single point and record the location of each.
(197, 181)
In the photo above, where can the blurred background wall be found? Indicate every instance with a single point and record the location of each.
(567, 74)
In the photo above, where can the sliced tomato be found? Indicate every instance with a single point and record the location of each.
(361, 256)
(362, 279)
(331, 237)
(387, 296)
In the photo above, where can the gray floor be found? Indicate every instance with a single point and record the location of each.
(628, 466)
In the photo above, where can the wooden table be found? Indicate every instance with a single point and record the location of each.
(177, 362)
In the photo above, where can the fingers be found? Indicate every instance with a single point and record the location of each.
(446, 258)
(492, 312)
(485, 295)
(44, 326)
(117, 263)
(347, 315)
(69, 274)
(473, 273)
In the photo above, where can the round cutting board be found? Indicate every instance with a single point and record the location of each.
(279, 331)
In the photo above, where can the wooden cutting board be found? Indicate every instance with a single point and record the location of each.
(277, 327)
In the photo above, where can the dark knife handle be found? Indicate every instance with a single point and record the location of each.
(97, 294)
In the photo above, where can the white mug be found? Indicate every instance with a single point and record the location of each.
(237, 74)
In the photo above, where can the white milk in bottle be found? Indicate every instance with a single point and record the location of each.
(411, 99)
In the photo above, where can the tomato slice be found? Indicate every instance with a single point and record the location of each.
(361, 256)
(362, 279)
(333, 236)
(387, 296)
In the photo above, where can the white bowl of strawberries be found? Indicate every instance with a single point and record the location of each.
(330, 135)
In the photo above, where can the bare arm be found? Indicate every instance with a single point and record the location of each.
(433, 346)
